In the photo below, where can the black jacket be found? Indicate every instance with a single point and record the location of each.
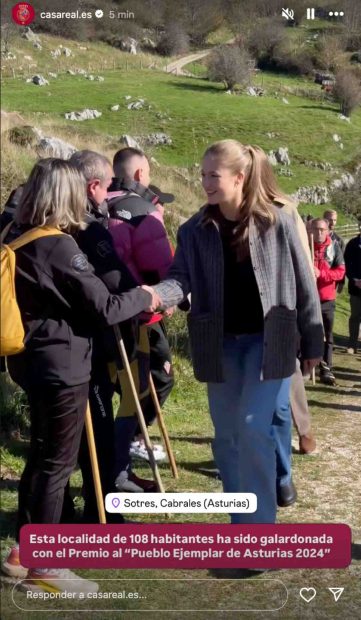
(353, 264)
(62, 302)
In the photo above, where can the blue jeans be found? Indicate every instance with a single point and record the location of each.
(282, 433)
(242, 409)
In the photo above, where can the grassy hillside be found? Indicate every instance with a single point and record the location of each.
(92, 56)
(193, 111)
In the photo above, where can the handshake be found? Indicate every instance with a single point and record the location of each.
(156, 302)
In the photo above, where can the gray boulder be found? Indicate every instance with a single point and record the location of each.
(136, 105)
(156, 139)
(345, 182)
(84, 115)
(280, 156)
(317, 195)
(67, 52)
(272, 158)
(29, 35)
(54, 147)
(130, 141)
(115, 108)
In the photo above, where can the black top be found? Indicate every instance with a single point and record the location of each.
(243, 312)
(353, 264)
(62, 302)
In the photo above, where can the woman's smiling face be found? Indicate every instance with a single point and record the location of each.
(219, 183)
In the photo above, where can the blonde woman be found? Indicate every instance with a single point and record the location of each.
(61, 303)
(253, 294)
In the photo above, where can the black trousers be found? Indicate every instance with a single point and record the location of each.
(57, 420)
(328, 315)
(101, 391)
(161, 369)
(354, 320)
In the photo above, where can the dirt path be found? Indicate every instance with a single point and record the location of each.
(176, 66)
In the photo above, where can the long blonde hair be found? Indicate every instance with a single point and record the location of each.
(260, 189)
(54, 195)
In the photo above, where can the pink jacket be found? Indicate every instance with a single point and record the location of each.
(140, 241)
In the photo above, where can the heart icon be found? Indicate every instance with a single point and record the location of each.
(307, 594)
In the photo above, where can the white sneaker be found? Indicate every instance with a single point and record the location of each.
(58, 580)
(123, 483)
(138, 450)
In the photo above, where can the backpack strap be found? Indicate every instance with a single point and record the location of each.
(5, 231)
(31, 235)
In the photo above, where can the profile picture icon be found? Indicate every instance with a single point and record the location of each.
(23, 13)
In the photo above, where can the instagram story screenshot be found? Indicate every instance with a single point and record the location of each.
(180, 343)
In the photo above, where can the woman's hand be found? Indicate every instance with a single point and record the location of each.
(308, 365)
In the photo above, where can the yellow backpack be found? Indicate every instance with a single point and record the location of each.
(11, 326)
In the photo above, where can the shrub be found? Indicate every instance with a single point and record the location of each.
(231, 65)
(347, 90)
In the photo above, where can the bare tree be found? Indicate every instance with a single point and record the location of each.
(347, 90)
(174, 40)
(330, 52)
(265, 37)
(200, 18)
(231, 65)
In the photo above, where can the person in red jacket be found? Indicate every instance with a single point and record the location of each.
(329, 267)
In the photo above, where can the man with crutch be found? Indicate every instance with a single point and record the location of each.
(95, 241)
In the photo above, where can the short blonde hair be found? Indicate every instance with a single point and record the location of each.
(54, 195)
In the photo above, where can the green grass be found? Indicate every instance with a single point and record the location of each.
(200, 114)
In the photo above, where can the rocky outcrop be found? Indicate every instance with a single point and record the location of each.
(84, 115)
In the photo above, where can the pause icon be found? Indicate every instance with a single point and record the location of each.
(310, 13)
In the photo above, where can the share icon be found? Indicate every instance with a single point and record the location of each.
(336, 592)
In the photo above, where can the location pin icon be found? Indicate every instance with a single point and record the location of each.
(115, 502)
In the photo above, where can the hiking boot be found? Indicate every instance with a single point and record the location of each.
(286, 494)
(129, 482)
(58, 580)
(326, 375)
(307, 444)
(11, 565)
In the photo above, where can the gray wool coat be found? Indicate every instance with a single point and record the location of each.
(291, 306)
